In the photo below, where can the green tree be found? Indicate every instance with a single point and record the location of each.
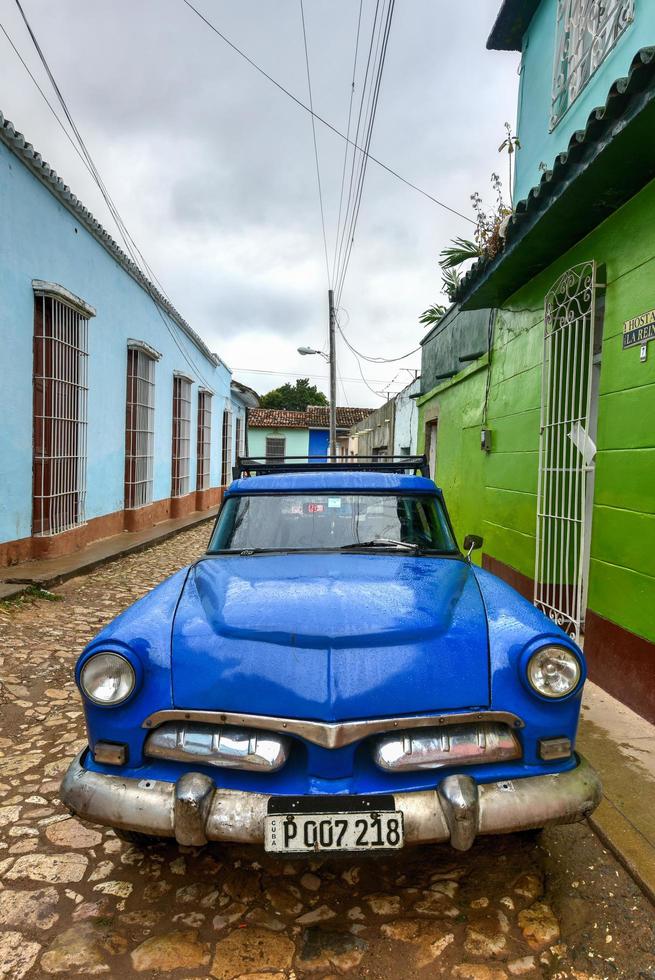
(295, 398)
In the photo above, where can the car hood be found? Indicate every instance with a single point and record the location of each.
(330, 636)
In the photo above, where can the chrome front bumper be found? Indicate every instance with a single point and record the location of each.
(195, 811)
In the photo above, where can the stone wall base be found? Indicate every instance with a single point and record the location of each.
(25, 549)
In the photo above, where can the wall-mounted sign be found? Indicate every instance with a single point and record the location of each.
(639, 330)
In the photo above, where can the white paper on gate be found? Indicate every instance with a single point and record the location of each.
(583, 443)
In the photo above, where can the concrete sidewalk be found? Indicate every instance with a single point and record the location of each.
(14, 579)
(621, 746)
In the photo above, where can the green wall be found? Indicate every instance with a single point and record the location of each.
(297, 441)
(495, 494)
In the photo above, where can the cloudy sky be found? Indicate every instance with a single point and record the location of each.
(213, 168)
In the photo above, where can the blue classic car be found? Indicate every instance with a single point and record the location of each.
(332, 675)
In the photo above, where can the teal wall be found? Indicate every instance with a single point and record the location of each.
(536, 79)
(297, 441)
(495, 494)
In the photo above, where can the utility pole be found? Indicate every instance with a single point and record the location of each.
(332, 450)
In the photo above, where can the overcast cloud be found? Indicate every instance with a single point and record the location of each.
(212, 167)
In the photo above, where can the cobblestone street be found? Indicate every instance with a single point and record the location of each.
(75, 900)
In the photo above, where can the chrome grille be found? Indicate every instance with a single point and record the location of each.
(437, 748)
(221, 746)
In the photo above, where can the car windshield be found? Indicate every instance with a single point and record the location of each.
(334, 521)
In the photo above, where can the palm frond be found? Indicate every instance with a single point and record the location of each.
(450, 281)
(461, 250)
(433, 314)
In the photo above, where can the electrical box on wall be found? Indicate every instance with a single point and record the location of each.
(485, 440)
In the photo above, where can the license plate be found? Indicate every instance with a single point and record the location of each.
(286, 833)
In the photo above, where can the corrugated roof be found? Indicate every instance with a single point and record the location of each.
(511, 24)
(33, 160)
(605, 165)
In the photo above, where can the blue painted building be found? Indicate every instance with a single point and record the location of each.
(572, 51)
(116, 415)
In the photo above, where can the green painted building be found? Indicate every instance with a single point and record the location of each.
(538, 397)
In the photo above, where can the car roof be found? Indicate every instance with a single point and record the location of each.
(331, 480)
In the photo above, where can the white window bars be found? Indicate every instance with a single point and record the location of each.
(226, 448)
(238, 436)
(60, 400)
(566, 450)
(587, 30)
(181, 449)
(204, 439)
(139, 428)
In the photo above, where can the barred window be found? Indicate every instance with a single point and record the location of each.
(226, 450)
(238, 437)
(587, 30)
(60, 396)
(181, 449)
(204, 439)
(139, 428)
(275, 448)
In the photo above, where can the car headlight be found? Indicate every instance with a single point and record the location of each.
(553, 671)
(107, 678)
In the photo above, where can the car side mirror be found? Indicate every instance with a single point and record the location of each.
(471, 543)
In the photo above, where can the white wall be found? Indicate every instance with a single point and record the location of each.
(406, 424)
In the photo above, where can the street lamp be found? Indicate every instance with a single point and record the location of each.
(310, 350)
(331, 359)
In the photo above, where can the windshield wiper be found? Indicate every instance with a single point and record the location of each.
(380, 543)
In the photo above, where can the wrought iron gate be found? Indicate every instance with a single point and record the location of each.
(566, 449)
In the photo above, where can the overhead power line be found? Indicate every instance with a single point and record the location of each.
(374, 94)
(341, 231)
(347, 145)
(129, 243)
(375, 360)
(296, 374)
(320, 118)
(318, 167)
(46, 100)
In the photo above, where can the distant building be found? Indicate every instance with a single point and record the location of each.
(114, 411)
(390, 430)
(275, 432)
(373, 435)
(405, 430)
(244, 400)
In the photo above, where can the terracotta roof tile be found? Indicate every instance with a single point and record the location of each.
(319, 416)
(276, 418)
(316, 417)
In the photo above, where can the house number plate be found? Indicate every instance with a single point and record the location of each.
(286, 833)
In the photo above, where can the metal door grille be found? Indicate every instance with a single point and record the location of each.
(566, 450)
(204, 439)
(60, 397)
(139, 429)
(181, 451)
(226, 447)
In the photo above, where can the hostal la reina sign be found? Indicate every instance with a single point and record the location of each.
(639, 330)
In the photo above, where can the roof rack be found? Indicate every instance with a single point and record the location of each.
(260, 466)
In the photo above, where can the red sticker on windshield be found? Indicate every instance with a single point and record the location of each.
(315, 508)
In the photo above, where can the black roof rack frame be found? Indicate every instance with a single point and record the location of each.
(260, 466)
